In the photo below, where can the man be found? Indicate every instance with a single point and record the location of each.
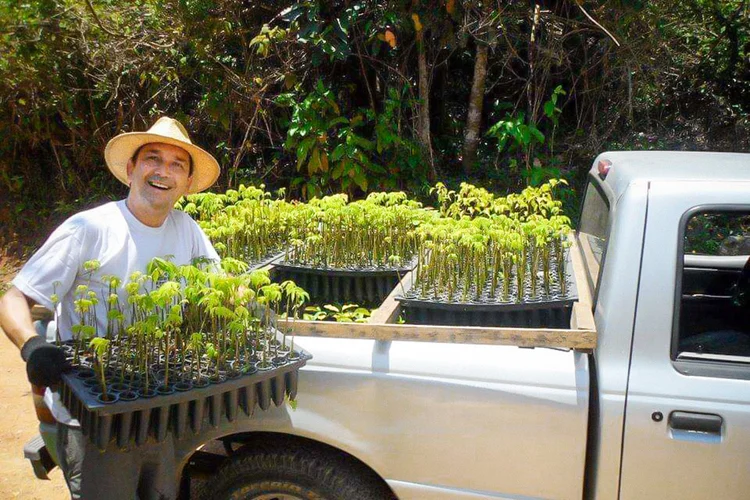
(159, 165)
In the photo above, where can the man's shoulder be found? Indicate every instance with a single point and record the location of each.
(97, 217)
(97, 212)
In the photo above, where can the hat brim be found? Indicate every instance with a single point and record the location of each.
(120, 150)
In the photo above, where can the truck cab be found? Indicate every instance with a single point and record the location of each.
(671, 395)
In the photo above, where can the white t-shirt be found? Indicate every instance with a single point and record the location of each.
(122, 245)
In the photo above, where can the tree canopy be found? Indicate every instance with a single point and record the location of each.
(359, 95)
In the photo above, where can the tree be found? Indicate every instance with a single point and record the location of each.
(481, 19)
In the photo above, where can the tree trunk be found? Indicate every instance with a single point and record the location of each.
(424, 108)
(474, 116)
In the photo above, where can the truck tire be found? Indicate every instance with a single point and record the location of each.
(294, 472)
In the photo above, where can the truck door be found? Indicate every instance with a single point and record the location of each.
(687, 414)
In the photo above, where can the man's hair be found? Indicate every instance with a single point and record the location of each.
(137, 152)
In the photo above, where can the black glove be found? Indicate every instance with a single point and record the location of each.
(44, 362)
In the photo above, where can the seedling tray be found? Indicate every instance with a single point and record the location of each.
(132, 423)
(342, 285)
(542, 314)
(265, 261)
(550, 312)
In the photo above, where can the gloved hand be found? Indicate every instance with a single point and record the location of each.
(44, 362)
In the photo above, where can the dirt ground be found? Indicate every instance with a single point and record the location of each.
(18, 424)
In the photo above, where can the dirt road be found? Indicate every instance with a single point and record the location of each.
(17, 425)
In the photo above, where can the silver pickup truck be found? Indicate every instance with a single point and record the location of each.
(659, 408)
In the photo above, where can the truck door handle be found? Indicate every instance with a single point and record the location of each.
(706, 423)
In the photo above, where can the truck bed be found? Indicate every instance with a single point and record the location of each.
(580, 336)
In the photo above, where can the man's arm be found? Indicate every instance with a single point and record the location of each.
(44, 362)
(15, 316)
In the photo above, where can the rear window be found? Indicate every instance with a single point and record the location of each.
(593, 230)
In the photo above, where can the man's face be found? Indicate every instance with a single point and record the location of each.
(160, 175)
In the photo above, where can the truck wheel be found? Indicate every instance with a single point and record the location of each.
(293, 472)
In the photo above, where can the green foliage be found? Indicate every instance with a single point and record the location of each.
(397, 152)
(514, 131)
(246, 223)
(473, 201)
(348, 152)
(378, 232)
(223, 321)
(341, 313)
(266, 38)
(710, 39)
(328, 36)
(518, 135)
(322, 97)
(493, 248)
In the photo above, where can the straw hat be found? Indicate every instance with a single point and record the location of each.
(169, 131)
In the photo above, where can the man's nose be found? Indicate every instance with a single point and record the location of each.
(161, 169)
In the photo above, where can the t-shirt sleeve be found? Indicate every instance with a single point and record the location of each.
(53, 268)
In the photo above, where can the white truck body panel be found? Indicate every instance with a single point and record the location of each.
(413, 491)
(451, 419)
(614, 316)
(661, 462)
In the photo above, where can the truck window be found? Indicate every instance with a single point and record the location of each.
(593, 230)
(718, 234)
(714, 307)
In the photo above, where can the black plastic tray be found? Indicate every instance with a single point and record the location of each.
(335, 271)
(537, 313)
(550, 314)
(342, 285)
(132, 423)
(264, 261)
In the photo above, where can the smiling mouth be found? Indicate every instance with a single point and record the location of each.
(158, 185)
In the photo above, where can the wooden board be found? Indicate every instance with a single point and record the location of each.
(522, 337)
(583, 316)
(390, 308)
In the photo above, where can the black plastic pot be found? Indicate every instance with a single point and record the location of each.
(84, 373)
(131, 422)
(118, 387)
(341, 285)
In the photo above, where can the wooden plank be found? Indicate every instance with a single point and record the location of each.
(582, 317)
(591, 265)
(522, 337)
(390, 308)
